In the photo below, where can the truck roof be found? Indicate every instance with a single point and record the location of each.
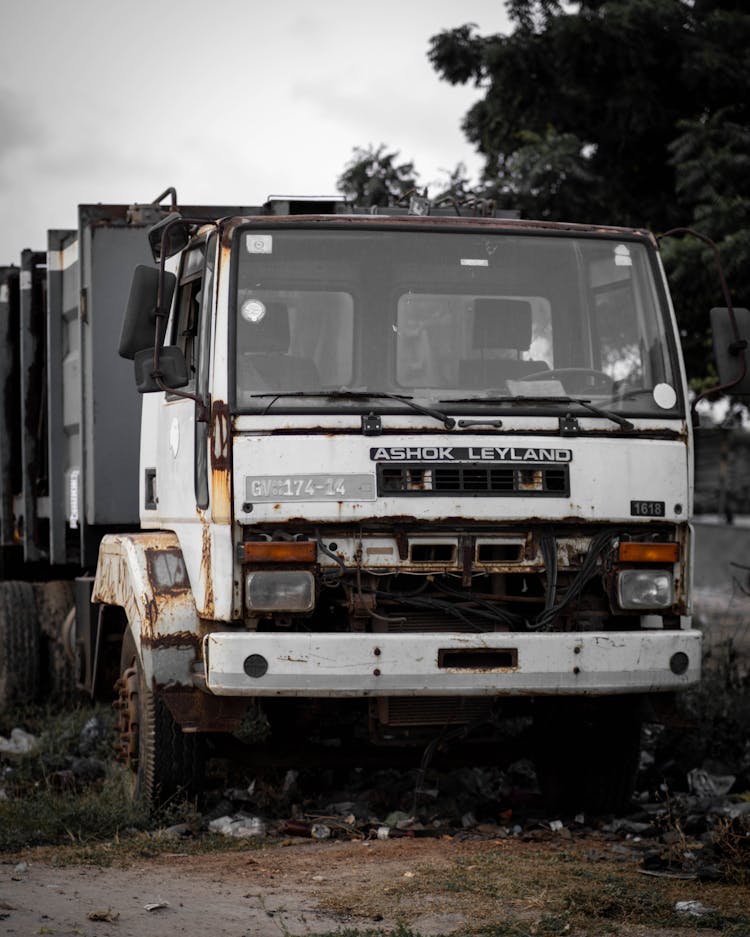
(377, 219)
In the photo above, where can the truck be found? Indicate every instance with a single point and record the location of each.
(403, 475)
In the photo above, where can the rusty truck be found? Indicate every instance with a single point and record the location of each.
(402, 474)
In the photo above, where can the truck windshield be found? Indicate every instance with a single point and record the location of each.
(466, 319)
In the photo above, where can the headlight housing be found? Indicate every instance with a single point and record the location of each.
(280, 590)
(645, 588)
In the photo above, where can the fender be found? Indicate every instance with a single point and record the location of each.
(145, 575)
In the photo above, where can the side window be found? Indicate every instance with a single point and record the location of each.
(188, 303)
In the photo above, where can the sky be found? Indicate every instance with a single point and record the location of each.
(229, 101)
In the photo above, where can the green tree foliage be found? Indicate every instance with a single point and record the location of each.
(631, 112)
(372, 177)
(711, 158)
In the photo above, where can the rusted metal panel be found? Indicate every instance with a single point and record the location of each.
(221, 434)
(486, 225)
(206, 572)
(145, 575)
(363, 665)
(196, 711)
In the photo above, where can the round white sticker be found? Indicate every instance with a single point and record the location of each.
(253, 310)
(665, 396)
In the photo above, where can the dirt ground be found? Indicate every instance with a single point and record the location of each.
(431, 886)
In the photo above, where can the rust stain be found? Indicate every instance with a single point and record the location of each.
(178, 639)
(220, 462)
(201, 712)
(167, 571)
(206, 577)
(405, 221)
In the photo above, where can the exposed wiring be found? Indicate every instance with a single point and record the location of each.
(597, 547)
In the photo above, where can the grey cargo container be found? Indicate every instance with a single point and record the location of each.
(69, 414)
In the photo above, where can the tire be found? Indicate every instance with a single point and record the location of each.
(165, 764)
(20, 669)
(587, 752)
(55, 602)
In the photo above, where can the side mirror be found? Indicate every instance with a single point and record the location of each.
(172, 365)
(728, 348)
(177, 237)
(139, 322)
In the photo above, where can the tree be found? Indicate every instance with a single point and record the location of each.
(711, 158)
(631, 112)
(372, 177)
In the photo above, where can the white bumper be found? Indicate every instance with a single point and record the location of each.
(495, 664)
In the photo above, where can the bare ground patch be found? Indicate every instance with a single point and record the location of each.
(498, 888)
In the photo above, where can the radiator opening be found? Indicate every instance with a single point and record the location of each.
(499, 552)
(478, 658)
(433, 552)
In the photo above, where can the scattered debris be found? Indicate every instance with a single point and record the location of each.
(240, 826)
(93, 736)
(109, 916)
(19, 743)
(693, 908)
(704, 784)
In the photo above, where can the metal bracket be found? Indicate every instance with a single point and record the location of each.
(568, 425)
(371, 424)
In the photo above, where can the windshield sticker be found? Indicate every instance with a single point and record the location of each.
(665, 396)
(622, 256)
(469, 454)
(253, 310)
(474, 262)
(259, 243)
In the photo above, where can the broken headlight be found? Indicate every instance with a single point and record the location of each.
(645, 588)
(280, 591)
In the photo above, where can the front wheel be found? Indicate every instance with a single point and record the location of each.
(587, 752)
(165, 764)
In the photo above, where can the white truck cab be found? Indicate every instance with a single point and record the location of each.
(436, 467)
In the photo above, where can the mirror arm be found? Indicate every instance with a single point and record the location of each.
(739, 345)
(161, 314)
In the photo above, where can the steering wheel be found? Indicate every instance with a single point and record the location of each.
(576, 379)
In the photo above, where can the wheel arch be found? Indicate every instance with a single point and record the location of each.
(144, 575)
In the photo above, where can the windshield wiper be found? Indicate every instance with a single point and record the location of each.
(585, 403)
(447, 421)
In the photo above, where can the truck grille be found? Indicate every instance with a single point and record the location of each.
(474, 480)
(424, 711)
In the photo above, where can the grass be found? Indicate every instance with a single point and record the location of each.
(507, 889)
(46, 802)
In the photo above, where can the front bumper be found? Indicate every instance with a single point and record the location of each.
(487, 664)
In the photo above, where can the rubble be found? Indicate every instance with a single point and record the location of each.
(668, 833)
(19, 743)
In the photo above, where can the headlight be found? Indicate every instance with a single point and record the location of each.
(280, 591)
(645, 588)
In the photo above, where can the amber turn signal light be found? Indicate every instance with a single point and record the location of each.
(280, 551)
(633, 552)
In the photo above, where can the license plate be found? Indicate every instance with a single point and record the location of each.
(260, 488)
(647, 508)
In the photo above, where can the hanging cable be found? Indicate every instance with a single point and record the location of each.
(598, 546)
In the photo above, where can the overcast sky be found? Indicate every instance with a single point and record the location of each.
(229, 101)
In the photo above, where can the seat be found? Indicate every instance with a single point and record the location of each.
(264, 360)
(501, 331)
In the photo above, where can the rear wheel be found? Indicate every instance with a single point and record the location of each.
(587, 752)
(165, 764)
(55, 605)
(19, 644)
